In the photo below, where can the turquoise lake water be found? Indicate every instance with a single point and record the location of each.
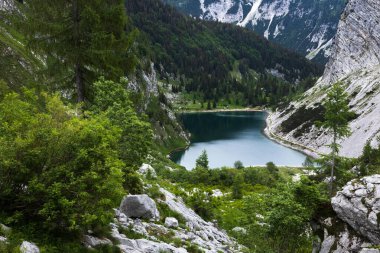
(231, 136)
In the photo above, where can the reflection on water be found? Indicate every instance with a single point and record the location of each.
(231, 136)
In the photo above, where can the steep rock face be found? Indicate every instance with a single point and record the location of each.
(356, 44)
(306, 26)
(358, 204)
(345, 240)
(355, 62)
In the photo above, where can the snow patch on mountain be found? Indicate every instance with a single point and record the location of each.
(251, 14)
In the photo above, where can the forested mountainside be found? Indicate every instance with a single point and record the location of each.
(305, 26)
(355, 62)
(218, 59)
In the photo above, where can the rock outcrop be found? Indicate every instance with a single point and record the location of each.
(153, 237)
(355, 62)
(139, 206)
(355, 225)
(358, 204)
(92, 241)
(28, 247)
(147, 169)
(356, 44)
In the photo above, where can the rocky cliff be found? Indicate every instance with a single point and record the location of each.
(355, 62)
(355, 228)
(306, 26)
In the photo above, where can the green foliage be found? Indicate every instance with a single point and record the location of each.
(286, 212)
(238, 165)
(112, 99)
(221, 61)
(57, 168)
(237, 187)
(80, 40)
(337, 114)
(336, 119)
(202, 203)
(369, 161)
(165, 211)
(202, 160)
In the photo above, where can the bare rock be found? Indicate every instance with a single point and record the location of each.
(139, 206)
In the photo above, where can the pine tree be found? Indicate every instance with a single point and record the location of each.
(80, 40)
(202, 160)
(336, 121)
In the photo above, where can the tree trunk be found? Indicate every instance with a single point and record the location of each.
(79, 81)
(333, 165)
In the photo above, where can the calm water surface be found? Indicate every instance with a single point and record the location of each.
(231, 136)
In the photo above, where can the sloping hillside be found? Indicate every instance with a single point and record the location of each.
(213, 57)
(355, 62)
(306, 26)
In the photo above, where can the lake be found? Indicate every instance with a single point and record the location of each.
(231, 136)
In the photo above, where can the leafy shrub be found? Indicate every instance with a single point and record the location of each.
(55, 167)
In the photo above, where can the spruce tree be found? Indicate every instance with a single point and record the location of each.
(336, 119)
(79, 40)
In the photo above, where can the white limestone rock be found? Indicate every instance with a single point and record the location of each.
(29, 247)
(355, 61)
(239, 230)
(146, 169)
(358, 204)
(139, 206)
(171, 222)
(91, 241)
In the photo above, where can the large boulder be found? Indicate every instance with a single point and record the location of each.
(358, 204)
(139, 206)
(28, 247)
(171, 222)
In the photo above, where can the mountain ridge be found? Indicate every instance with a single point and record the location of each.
(306, 27)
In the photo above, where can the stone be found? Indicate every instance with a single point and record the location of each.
(91, 241)
(139, 206)
(217, 193)
(359, 209)
(171, 222)
(239, 230)
(147, 169)
(28, 247)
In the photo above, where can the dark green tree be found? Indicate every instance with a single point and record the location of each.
(336, 119)
(238, 165)
(79, 40)
(237, 186)
(202, 160)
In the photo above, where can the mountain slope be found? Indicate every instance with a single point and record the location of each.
(356, 62)
(306, 26)
(216, 58)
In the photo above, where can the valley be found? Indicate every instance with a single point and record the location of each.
(276, 101)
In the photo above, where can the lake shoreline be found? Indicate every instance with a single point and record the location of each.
(295, 146)
(285, 159)
(248, 109)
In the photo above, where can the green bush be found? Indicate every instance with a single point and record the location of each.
(57, 168)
